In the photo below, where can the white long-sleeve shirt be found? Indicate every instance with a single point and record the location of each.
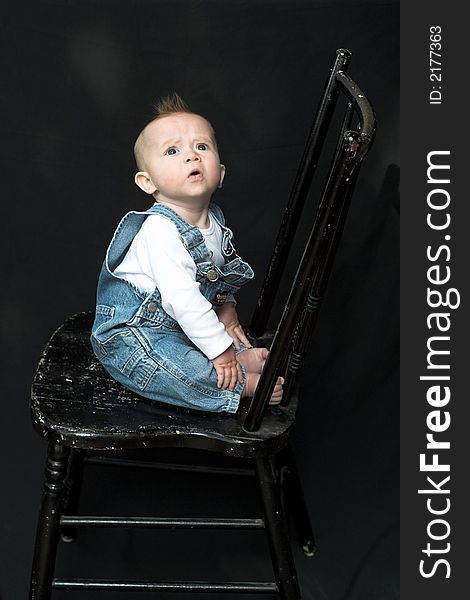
(157, 258)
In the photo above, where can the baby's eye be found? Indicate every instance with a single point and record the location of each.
(201, 146)
(171, 151)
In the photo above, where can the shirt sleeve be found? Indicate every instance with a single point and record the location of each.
(163, 257)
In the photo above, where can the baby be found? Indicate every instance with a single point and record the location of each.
(166, 325)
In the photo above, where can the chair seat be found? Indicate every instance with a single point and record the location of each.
(76, 403)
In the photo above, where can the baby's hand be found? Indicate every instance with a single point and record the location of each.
(228, 369)
(228, 316)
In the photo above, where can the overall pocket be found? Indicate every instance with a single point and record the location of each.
(101, 326)
(125, 353)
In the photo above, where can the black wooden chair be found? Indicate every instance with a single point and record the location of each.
(85, 415)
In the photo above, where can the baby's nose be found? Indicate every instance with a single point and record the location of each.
(192, 155)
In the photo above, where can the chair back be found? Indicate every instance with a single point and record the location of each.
(294, 331)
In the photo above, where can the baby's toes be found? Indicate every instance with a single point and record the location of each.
(277, 392)
(263, 354)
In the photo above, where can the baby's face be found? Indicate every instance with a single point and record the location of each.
(181, 160)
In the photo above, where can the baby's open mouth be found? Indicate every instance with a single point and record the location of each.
(195, 176)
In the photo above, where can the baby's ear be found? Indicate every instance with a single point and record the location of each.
(222, 175)
(142, 179)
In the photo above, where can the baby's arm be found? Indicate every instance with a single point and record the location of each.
(172, 270)
(228, 316)
(162, 257)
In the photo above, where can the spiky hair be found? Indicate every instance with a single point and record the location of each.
(173, 103)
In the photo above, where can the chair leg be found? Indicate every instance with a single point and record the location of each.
(74, 487)
(292, 487)
(47, 535)
(276, 527)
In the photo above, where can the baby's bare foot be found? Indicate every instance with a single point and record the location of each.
(252, 380)
(253, 359)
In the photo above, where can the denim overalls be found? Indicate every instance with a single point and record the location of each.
(144, 348)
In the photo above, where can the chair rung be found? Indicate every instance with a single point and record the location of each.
(210, 469)
(161, 522)
(247, 587)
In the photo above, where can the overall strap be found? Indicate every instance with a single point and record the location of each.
(129, 227)
(217, 213)
(125, 232)
(228, 250)
(190, 236)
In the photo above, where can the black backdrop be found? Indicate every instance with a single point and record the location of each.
(78, 82)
